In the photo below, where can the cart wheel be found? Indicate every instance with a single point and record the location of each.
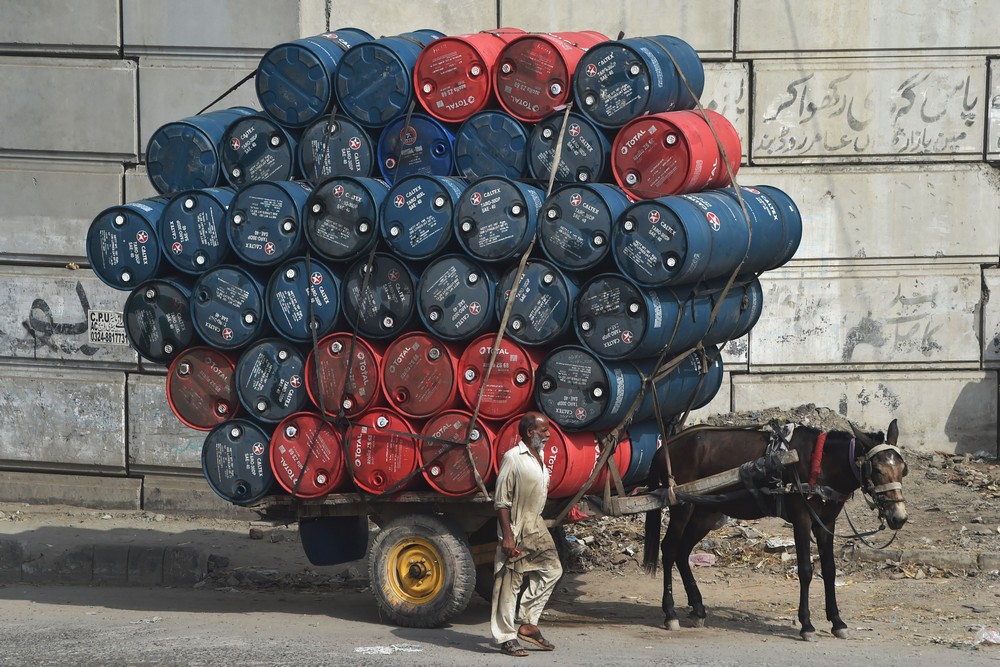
(421, 571)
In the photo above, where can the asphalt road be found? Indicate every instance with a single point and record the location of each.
(83, 626)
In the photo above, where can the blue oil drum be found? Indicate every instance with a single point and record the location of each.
(386, 306)
(496, 218)
(741, 308)
(121, 243)
(157, 318)
(255, 148)
(491, 143)
(270, 380)
(303, 297)
(342, 216)
(686, 385)
(335, 147)
(424, 146)
(455, 298)
(295, 79)
(374, 79)
(542, 312)
(617, 319)
(192, 231)
(579, 391)
(680, 239)
(576, 221)
(227, 307)
(618, 81)
(265, 219)
(645, 439)
(186, 154)
(235, 460)
(585, 155)
(768, 240)
(416, 215)
(792, 222)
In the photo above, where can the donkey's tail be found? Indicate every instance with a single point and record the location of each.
(654, 519)
(651, 544)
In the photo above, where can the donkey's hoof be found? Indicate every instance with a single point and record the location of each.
(841, 633)
(671, 624)
(697, 621)
(809, 636)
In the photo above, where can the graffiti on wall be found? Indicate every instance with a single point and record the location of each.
(883, 111)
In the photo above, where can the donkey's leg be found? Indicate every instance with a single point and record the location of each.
(698, 527)
(679, 517)
(801, 525)
(824, 542)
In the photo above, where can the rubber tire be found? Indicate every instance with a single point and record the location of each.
(458, 570)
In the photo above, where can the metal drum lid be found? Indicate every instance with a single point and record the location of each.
(201, 388)
(614, 83)
(269, 380)
(227, 307)
(295, 80)
(256, 148)
(341, 359)
(342, 216)
(580, 392)
(446, 461)
(307, 455)
(419, 375)
(157, 318)
(234, 459)
(491, 143)
(383, 452)
(455, 298)
(585, 153)
(452, 74)
(417, 213)
(264, 223)
(424, 146)
(185, 154)
(533, 73)
(303, 300)
(385, 306)
(335, 147)
(121, 243)
(496, 218)
(509, 388)
(375, 79)
(192, 230)
(650, 244)
(543, 303)
(575, 224)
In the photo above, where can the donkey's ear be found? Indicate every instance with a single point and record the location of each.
(893, 433)
(860, 435)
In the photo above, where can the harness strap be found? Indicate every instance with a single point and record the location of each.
(862, 460)
(817, 458)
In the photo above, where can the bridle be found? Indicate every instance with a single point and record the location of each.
(862, 467)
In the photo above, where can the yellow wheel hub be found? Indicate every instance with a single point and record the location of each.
(416, 574)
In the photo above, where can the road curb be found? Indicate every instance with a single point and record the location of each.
(945, 560)
(22, 561)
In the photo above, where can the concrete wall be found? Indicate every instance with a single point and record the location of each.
(883, 123)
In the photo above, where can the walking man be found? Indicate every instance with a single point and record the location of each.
(526, 553)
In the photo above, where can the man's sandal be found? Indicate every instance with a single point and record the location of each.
(513, 648)
(538, 640)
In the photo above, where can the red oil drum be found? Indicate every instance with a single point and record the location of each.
(453, 75)
(307, 455)
(673, 153)
(419, 375)
(447, 466)
(383, 452)
(201, 388)
(326, 383)
(511, 383)
(533, 73)
(569, 457)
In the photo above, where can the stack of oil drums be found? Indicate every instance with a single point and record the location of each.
(326, 277)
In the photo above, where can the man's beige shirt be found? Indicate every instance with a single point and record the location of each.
(522, 486)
